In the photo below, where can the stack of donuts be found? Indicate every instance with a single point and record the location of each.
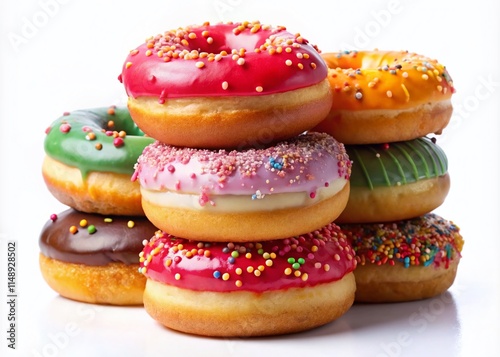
(89, 251)
(252, 186)
(242, 197)
(385, 104)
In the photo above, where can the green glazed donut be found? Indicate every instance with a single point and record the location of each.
(90, 158)
(90, 140)
(395, 181)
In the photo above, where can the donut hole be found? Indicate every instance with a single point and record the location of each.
(218, 42)
(111, 122)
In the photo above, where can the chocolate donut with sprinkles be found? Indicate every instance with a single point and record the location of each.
(94, 258)
(228, 85)
(386, 96)
(248, 289)
(404, 260)
(90, 156)
(281, 191)
(391, 182)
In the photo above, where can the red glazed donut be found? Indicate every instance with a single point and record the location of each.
(285, 190)
(226, 85)
(249, 289)
(404, 260)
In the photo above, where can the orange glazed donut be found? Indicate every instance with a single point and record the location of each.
(93, 258)
(226, 85)
(90, 156)
(404, 260)
(249, 289)
(382, 96)
(281, 191)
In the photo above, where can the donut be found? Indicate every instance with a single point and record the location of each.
(248, 289)
(90, 157)
(404, 260)
(391, 182)
(386, 96)
(281, 191)
(228, 85)
(94, 258)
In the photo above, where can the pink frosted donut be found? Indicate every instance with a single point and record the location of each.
(289, 189)
(248, 289)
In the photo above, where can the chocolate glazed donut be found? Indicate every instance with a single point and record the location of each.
(116, 239)
(94, 258)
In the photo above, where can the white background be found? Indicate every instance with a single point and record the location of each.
(65, 57)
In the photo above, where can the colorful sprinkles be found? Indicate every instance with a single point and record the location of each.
(321, 256)
(91, 228)
(352, 77)
(93, 239)
(201, 50)
(304, 163)
(88, 139)
(181, 44)
(422, 241)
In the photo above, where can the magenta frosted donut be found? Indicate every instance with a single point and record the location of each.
(198, 60)
(285, 190)
(223, 85)
(253, 288)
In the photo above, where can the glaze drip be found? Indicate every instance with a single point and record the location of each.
(100, 139)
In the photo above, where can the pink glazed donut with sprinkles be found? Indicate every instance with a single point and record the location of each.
(228, 85)
(248, 289)
(285, 190)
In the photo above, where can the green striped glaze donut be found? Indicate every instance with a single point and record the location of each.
(395, 181)
(397, 163)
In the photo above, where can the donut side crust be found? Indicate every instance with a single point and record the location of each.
(232, 122)
(244, 313)
(248, 226)
(100, 192)
(384, 125)
(386, 284)
(112, 284)
(385, 204)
